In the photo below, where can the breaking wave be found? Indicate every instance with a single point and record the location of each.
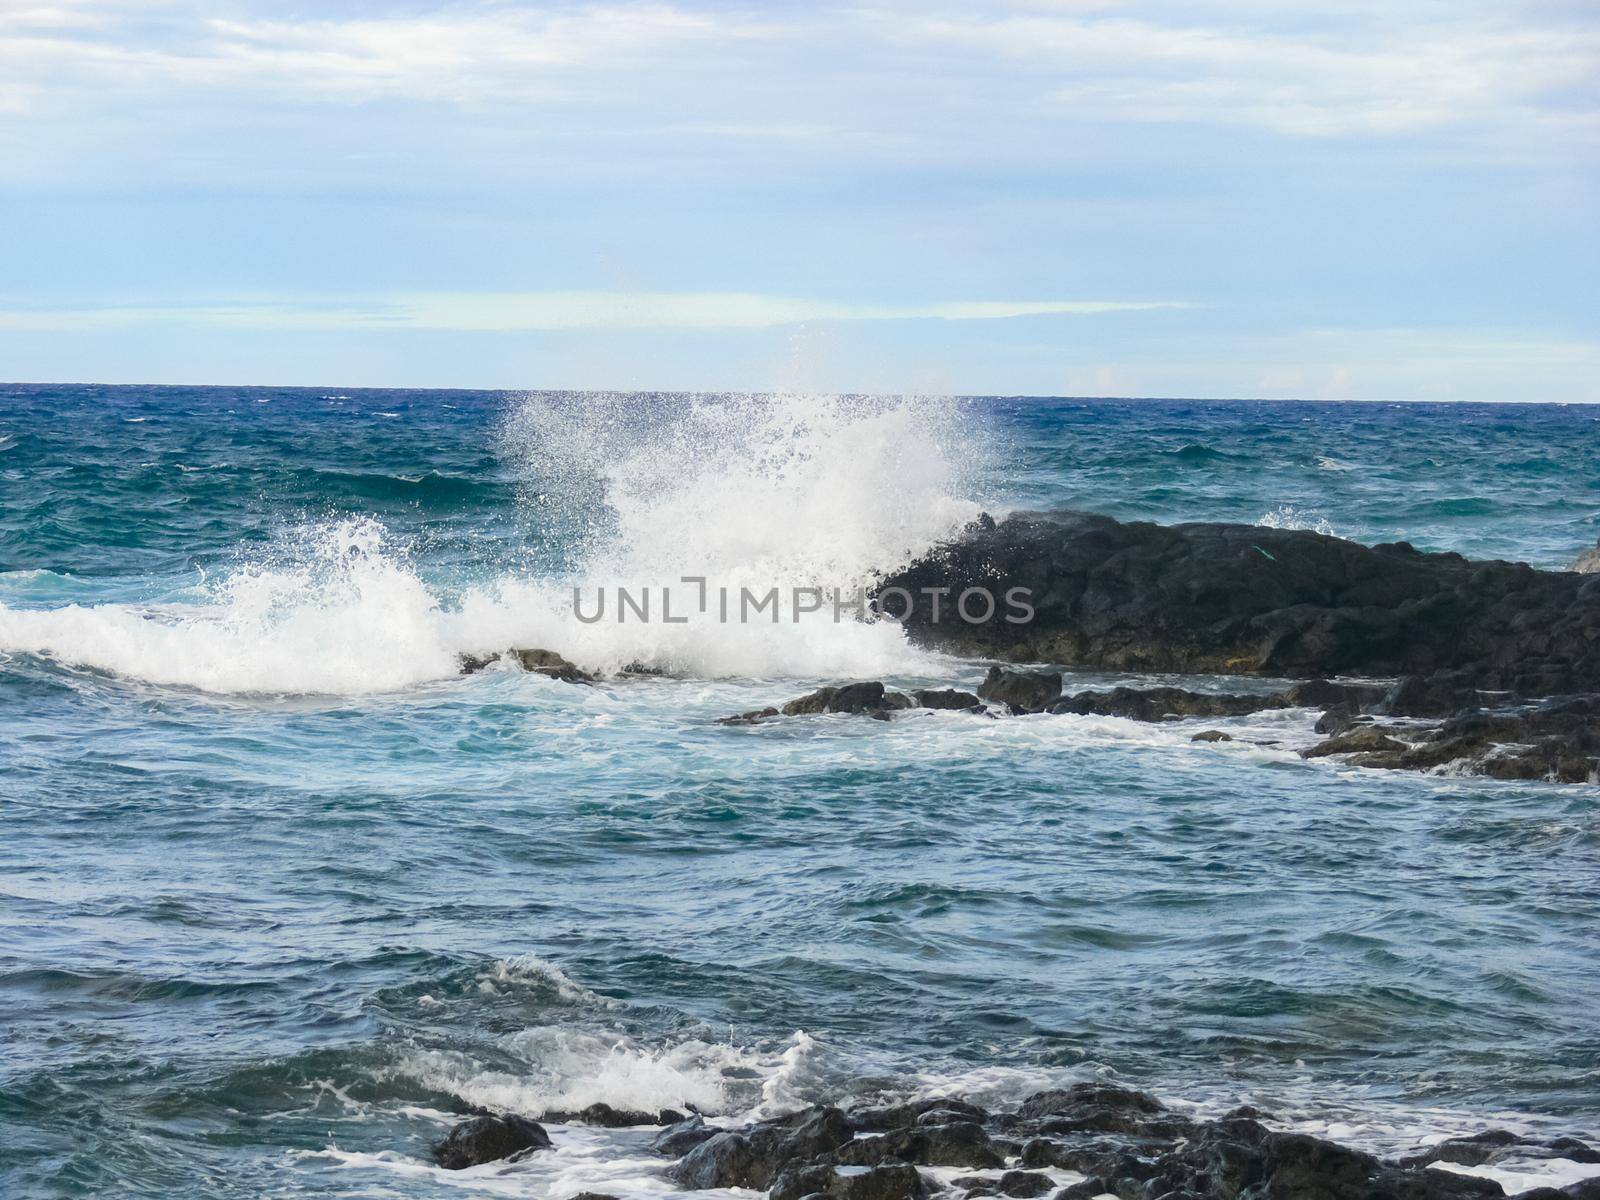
(761, 492)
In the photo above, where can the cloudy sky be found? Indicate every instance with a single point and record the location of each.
(1374, 199)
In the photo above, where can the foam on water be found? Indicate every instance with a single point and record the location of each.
(783, 492)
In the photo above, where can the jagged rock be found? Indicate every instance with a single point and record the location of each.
(1324, 693)
(1024, 691)
(1245, 600)
(903, 1116)
(607, 1117)
(678, 1139)
(1075, 1099)
(1471, 1151)
(1558, 740)
(956, 1144)
(1588, 563)
(538, 662)
(869, 697)
(753, 1156)
(894, 1181)
(1012, 1183)
(1337, 720)
(552, 665)
(1363, 739)
(949, 698)
(1212, 735)
(489, 1138)
(754, 717)
(1163, 703)
(1432, 696)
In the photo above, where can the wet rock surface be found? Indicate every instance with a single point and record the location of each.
(489, 1138)
(534, 661)
(1114, 1140)
(1165, 704)
(1368, 725)
(1249, 600)
(1022, 691)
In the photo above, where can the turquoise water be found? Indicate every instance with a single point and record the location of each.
(279, 891)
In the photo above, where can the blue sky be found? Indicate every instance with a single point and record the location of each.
(1370, 200)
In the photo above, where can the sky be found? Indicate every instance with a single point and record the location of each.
(1368, 200)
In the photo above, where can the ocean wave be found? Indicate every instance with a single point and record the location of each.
(785, 493)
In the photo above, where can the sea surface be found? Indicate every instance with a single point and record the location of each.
(281, 890)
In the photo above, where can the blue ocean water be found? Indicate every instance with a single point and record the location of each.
(280, 890)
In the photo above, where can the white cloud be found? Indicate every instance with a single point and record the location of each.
(883, 69)
(515, 311)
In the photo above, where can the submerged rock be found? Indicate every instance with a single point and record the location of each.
(607, 1117)
(1164, 703)
(754, 717)
(552, 665)
(536, 661)
(1364, 739)
(489, 1138)
(1024, 691)
(1558, 741)
(945, 698)
(869, 697)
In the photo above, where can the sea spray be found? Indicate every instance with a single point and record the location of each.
(779, 492)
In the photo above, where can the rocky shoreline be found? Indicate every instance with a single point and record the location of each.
(1427, 662)
(1080, 1142)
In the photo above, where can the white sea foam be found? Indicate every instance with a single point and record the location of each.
(567, 1069)
(784, 492)
(1287, 516)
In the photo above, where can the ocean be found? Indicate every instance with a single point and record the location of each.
(282, 892)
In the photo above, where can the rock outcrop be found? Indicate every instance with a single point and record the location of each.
(1117, 1140)
(1248, 600)
(490, 1138)
(535, 661)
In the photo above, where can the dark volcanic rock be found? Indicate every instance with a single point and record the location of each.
(1558, 740)
(1466, 1151)
(1012, 1183)
(1080, 1097)
(956, 1144)
(869, 697)
(753, 1156)
(677, 1140)
(1363, 739)
(1324, 693)
(1241, 599)
(895, 1181)
(539, 662)
(1212, 735)
(488, 1139)
(603, 1115)
(1164, 703)
(1027, 691)
(903, 1116)
(549, 663)
(754, 717)
(945, 698)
